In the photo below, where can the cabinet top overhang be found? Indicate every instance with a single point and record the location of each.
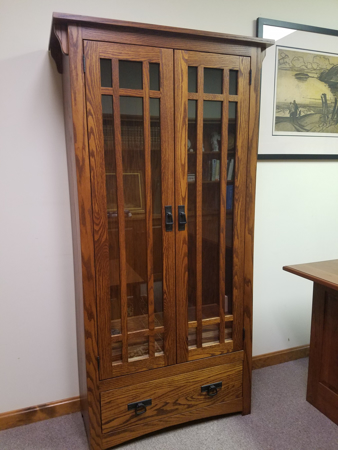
(58, 43)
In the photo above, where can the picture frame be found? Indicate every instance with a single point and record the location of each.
(308, 42)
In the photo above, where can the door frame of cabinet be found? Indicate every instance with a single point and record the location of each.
(183, 59)
(66, 45)
(93, 51)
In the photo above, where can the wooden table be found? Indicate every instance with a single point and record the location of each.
(322, 387)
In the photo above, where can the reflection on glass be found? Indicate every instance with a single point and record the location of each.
(231, 170)
(212, 131)
(228, 330)
(106, 74)
(155, 139)
(130, 74)
(154, 76)
(117, 352)
(133, 161)
(192, 341)
(213, 81)
(192, 79)
(233, 82)
(159, 345)
(210, 333)
(138, 347)
(113, 234)
(192, 141)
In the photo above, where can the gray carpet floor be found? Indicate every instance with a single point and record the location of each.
(281, 419)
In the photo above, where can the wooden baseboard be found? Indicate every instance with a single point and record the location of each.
(282, 356)
(33, 414)
(71, 405)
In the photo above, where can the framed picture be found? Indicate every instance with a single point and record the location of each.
(299, 92)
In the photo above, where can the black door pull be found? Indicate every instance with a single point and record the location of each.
(140, 407)
(182, 219)
(169, 221)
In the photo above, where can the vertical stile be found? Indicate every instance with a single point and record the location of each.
(223, 187)
(181, 194)
(239, 199)
(167, 145)
(148, 198)
(120, 209)
(199, 163)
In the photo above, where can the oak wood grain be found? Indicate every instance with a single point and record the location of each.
(254, 93)
(239, 200)
(181, 170)
(322, 387)
(175, 369)
(100, 22)
(85, 284)
(169, 396)
(168, 198)
(123, 435)
(322, 272)
(138, 42)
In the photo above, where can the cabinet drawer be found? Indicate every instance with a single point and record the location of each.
(169, 396)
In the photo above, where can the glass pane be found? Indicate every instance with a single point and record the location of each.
(233, 82)
(159, 345)
(192, 341)
(133, 162)
(155, 139)
(210, 333)
(113, 232)
(130, 74)
(228, 330)
(232, 125)
(213, 81)
(192, 140)
(138, 347)
(154, 76)
(192, 79)
(106, 75)
(117, 352)
(212, 130)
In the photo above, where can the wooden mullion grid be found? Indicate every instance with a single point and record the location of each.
(120, 209)
(138, 333)
(148, 189)
(211, 321)
(222, 212)
(199, 163)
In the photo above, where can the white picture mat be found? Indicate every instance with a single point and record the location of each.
(298, 144)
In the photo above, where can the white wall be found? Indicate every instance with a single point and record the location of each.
(296, 218)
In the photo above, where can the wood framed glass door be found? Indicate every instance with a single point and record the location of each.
(211, 129)
(129, 94)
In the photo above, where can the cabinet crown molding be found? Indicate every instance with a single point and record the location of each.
(58, 42)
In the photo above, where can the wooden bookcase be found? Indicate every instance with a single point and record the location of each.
(162, 225)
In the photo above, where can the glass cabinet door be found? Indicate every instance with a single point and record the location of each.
(211, 113)
(130, 128)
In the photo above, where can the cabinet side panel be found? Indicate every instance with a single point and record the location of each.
(84, 205)
(74, 210)
(249, 225)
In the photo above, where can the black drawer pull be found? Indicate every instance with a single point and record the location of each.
(212, 389)
(139, 407)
